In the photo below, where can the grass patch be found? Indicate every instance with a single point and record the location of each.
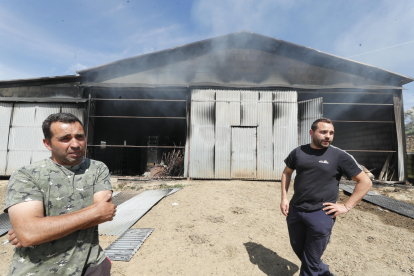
(165, 186)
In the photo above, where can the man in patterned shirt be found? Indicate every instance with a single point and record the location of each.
(56, 204)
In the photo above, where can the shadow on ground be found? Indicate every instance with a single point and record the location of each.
(268, 261)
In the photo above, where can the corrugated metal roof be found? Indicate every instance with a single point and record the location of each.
(131, 211)
(250, 40)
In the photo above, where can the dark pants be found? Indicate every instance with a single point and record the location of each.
(102, 269)
(309, 234)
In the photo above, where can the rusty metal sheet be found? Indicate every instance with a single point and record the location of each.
(243, 152)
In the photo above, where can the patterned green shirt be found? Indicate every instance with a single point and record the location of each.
(62, 190)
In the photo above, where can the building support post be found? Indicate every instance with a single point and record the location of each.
(400, 128)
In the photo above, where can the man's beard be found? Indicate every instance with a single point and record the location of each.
(319, 143)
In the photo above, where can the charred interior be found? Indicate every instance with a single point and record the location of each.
(131, 129)
(364, 125)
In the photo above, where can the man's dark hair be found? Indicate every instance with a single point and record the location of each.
(57, 117)
(320, 120)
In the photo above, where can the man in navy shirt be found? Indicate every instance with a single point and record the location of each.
(312, 210)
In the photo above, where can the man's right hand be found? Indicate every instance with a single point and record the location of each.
(284, 206)
(13, 239)
(105, 209)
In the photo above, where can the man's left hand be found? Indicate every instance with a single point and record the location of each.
(335, 209)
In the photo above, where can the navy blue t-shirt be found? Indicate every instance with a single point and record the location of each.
(318, 172)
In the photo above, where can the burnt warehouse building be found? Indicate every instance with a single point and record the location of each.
(235, 105)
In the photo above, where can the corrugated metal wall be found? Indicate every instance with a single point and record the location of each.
(285, 128)
(202, 134)
(241, 134)
(309, 111)
(5, 115)
(243, 152)
(25, 144)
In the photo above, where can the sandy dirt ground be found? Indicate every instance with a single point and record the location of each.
(236, 228)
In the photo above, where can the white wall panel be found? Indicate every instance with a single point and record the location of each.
(75, 110)
(243, 152)
(16, 160)
(3, 162)
(222, 157)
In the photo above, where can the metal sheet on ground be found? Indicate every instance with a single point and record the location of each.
(388, 203)
(131, 211)
(174, 190)
(5, 224)
(123, 248)
(124, 196)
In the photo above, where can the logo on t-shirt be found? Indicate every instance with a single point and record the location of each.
(324, 161)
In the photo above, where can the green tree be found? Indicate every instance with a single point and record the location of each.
(409, 120)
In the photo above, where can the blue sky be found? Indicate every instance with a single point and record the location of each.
(51, 38)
